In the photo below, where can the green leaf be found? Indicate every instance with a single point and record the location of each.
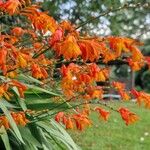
(39, 135)
(36, 88)
(20, 101)
(29, 78)
(59, 133)
(8, 105)
(5, 138)
(45, 143)
(11, 121)
(64, 133)
(29, 137)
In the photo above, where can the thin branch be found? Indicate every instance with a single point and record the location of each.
(48, 114)
(125, 6)
(40, 53)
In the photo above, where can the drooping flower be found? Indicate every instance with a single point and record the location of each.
(91, 49)
(118, 85)
(85, 78)
(3, 56)
(109, 56)
(40, 20)
(68, 48)
(19, 118)
(142, 97)
(38, 72)
(128, 116)
(10, 6)
(97, 73)
(103, 113)
(4, 91)
(94, 92)
(137, 56)
(56, 37)
(21, 87)
(69, 123)
(124, 95)
(64, 71)
(135, 65)
(59, 116)
(81, 121)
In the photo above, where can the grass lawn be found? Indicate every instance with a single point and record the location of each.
(114, 134)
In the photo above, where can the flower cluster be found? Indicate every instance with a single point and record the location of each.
(19, 118)
(37, 47)
(81, 120)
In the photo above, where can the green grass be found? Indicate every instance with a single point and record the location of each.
(114, 134)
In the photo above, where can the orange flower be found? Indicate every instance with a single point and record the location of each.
(69, 123)
(66, 26)
(59, 116)
(128, 116)
(135, 65)
(21, 87)
(137, 95)
(64, 71)
(137, 56)
(98, 74)
(118, 85)
(85, 78)
(69, 48)
(40, 20)
(64, 120)
(4, 122)
(3, 56)
(124, 95)
(22, 61)
(122, 44)
(103, 113)
(22, 58)
(10, 6)
(86, 109)
(109, 56)
(37, 46)
(12, 74)
(68, 86)
(17, 31)
(102, 75)
(56, 37)
(82, 121)
(3, 91)
(91, 49)
(19, 118)
(95, 92)
(144, 97)
(38, 72)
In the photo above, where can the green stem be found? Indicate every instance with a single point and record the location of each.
(40, 53)
(90, 102)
